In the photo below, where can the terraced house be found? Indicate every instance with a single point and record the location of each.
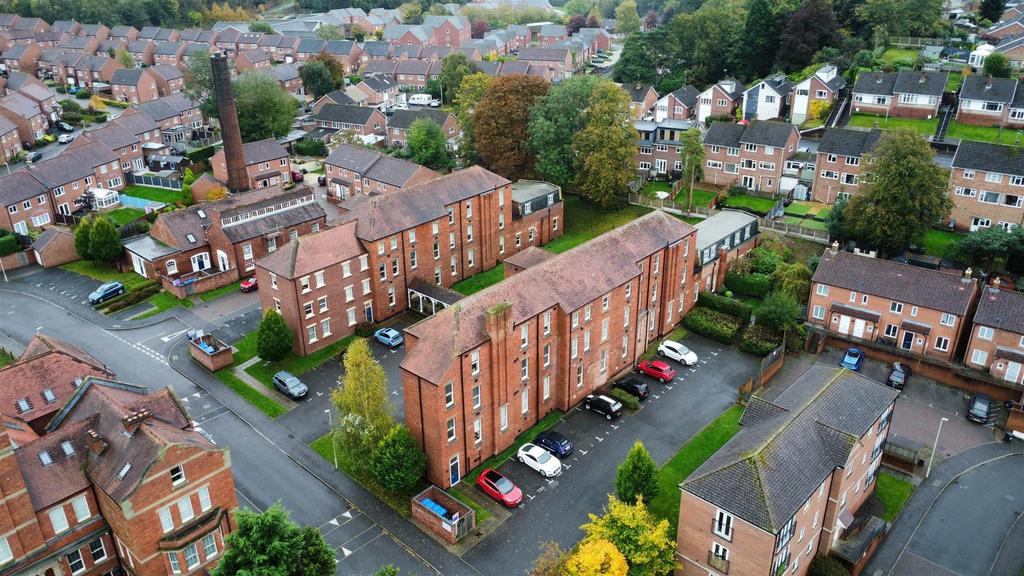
(986, 186)
(996, 343)
(750, 156)
(790, 483)
(356, 171)
(267, 164)
(841, 161)
(478, 374)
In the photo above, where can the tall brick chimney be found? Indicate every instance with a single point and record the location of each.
(234, 154)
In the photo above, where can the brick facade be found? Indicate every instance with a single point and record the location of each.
(986, 185)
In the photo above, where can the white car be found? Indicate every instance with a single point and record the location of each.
(540, 460)
(65, 138)
(676, 351)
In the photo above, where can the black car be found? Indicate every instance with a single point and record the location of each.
(65, 127)
(604, 405)
(28, 145)
(33, 157)
(633, 387)
(554, 442)
(898, 376)
(980, 409)
(321, 180)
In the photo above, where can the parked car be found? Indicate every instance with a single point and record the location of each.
(65, 127)
(633, 386)
(898, 376)
(853, 359)
(296, 176)
(106, 292)
(657, 369)
(33, 157)
(321, 180)
(980, 409)
(554, 442)
(500, 488)
(289, 385)
(65, 138)
(539, 459)
(608, 407)
(675, 351)
(28, 145)
(435, 103)
(249, 284)
(389, 337)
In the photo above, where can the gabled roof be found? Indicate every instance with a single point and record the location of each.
(403, 119)
(263, 151)
(989, 157)
(687, 95)
(380, 67)
(285, 72)
(74, 164)
(19, 186)
(845, 142)
(377, 48)
(989, 89)
(307, 254)
(311, 45)
(417, 67)
(543, 54)
(127, 76)
(920, 82)
(761, 132)
(779, 83)
(637, 92)
(167, 48)
(345, 113)
(378, 82)
(255, 55)
(20, 104)
(396, 31)
(783, 453)
(396, 171)
(1001, 309)
(353, 158)
(879, 83)
(166, 106)
(340, 47)
(114, 135)
(166, 71)
(900, 282)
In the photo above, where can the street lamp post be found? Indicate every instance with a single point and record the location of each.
(334, 443)
(935, 446)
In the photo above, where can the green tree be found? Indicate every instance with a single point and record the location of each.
(901, 17)
(273, 337)
(997, 65)
(605, 147)
(198, 77)
(904, 197)
(433, 87)
(642, 539)
(388, 570)
(812, 27)
(637, 476)
(412, 13)
(634, 64)
(398, 463)
(104, 240)
(834, 220)
(551, 561)
(702, 39)
(581, 7)
(358, 33)
(627, 20)
(330, 32)
(554, 120)
(469, 94)
(984, 247)
(597, 557)
(692, 154)
(762, 37)
(364, 410)
(992, 10)
(454, 68)
(427, 144)
(502, 116)
(780, 311)
(125, 58)
(336, 69)
(793, 279)
(316, 79)
(261, 26)
(82, 233)
(265, 109)
(269, 544)
(437, 10)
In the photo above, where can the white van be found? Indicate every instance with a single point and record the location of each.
(420, 99)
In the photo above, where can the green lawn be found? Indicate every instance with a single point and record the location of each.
(583, 222)
(122, 216)
(527, 436)
(689, 458)
(954, 81)
(265, 403)
(893, 54)
(297, 365)
(5, 358)
(691, 220)
(105, 273)
(823, 213)
(893, 492)
(924, 127)
(941, 243)
(460, 493)
(476, 283)
(982, 133)
(812, 224)
(163, 301)
(399, 502)
(154, 194)
(217, 293)
(799, 209)
(700, 197)
(657, 186)
(755, 203)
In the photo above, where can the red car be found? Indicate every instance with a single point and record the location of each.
(296, 176)
(500, 488)
(249, 284)
(656, 369)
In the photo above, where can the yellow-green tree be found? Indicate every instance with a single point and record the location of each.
(471, 90)
(597, 557)
(364, 410)
(643, 540)
(604, 148)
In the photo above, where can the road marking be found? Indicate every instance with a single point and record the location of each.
(530, 496)
(614, 426)
(655, 396)
(170, 337)
(582, 451)
(714, 353)
(346, 552)
(599, 439)
(567, 466)
(668, 387)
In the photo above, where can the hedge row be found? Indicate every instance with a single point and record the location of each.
(142, 286)
(732, 307)
(756, 285)
(760, 341)
(9, 244)
(627, 399)
(132, 298)
(712, 324)
(201, 154)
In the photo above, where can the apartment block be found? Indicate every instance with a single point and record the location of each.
(913, 309)
(722, 238)
(841, 158)
(987, 186)
(996, 344)
(752, 156)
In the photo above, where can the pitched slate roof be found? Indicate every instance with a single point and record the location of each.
(989, 89)
(724, 134)
(354, 158)
(783, 453)
(127, 76)
(1001, 309)
(114, 135)
(378, 82)
(403, 119)
(285, 72)
(396, 172)
(880, 83)
(277, 221)
(919, 82)
(263, 151)
(396, 31)
(989, 157)
(636, 92)
(307, 254)
(415, 67)
(376, 48)
(895, 281)
(345, 113)
(255, 55)
(767, 133)
(19, 186)
(166, 71)
(687, 95)
(845, 142)
(20, 104)
(779, 82)
(341, 47)
(311, 45)
(543, 54)
(74, 164)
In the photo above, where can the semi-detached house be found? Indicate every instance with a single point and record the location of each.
(996, 344)
(841, 160)
(354, 171)
(986, 186)
(752, 156)
(267, 164)
(903, 94)
(988, 101)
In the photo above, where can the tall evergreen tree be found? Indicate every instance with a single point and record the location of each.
(273, 337)
(104, 240)
(761, 38)
(637, 475)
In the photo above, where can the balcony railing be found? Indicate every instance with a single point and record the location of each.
(720, 564)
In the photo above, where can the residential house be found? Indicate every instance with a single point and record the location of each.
(369, 124)
(354, 170)
(34, 25)
(1006, 28)
(25, 202)
(33, 89)
(254, 59)
(642, 98)
(379, 89)
(124, 142)
(722, 238)
(98, 31)
(556, 338)
(996, 344)
(447, 30)
(10, 141)
(178, 116)
(557, 60)
(169, 53)
(25, 114)
(790, 483)
(659, 147)
(720, 100)
(375, 50)
(751, 156)
(903, 94)
(92, 69)
(598, 38)
(678, 105)
(267, 164)
(823, 86)
(384, 68)
(309, 48)
(288, 76)
(8, 20)
(143, 52)
(988, 101)
(768, 99)
(1011, 47)
(81, 44)
(122, 32)
(904, 307)
(346, 52)
(412, 74)
(194, 50)
(22, 58)
(551, 34)
(169, 79)
(227, 41)
(987, 186)
(400, 122)
(841, 156)
(398, 34)
(69, 27)
(134, 85)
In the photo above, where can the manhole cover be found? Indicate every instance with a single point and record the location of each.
(291, 436)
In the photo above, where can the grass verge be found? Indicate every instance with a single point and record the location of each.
(941, 243)
(154, 194)
(893, 492)
(459, 493)
(924, 127)
(162, 301)
(476, 283)
(893, 54)
(5, 358)
(104, 273)
(297, 365)
(755, 203)
(499, 459)
(265, 404)
(689, 458)
(583, 221)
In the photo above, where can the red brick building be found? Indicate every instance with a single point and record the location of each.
(996, 344)
(751, 156)
(904, 94)
(477, 375)
(720, 99)
(678, 105)
(787, 486)
(841, 159)
(266, 163)
(357, 171)
(986, 185)
(169, 80)
(134, 85)
(723, 238)
(401, 120)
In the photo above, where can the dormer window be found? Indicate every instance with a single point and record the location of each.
(190, 238)
(24, 405)
(124, 470)
(49, 396)
(67, 447)
(45, 458)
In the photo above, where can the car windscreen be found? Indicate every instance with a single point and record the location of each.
(980, 405)
(542, 456)
(503, 485)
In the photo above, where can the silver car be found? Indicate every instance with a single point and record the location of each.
(289, 385)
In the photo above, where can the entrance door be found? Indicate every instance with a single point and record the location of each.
(844, 324)
(858, 328)
(200, 262)
(1012, 372)
(368, 311)
(222, 259)
(908, 341)
(138, 265)
(748, 182)
(453, 470)
(661, 166)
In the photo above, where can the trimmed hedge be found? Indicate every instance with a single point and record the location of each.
(756, 285)
(713, 324)
(147, 288)
(627, 399)
(201, 154)
(741, 310)
(760, 341)
(8, 244)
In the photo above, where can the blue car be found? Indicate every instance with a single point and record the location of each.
(853, 359)
(106, 292)
(554, 442)
(389, 337)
